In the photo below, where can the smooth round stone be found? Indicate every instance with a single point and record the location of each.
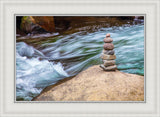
(107, 57)
(108, 40)
(108, 35)
(108, 62)
(108, 52)
(108, 46)
(109, 68)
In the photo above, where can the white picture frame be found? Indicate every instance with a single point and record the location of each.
(8, 106)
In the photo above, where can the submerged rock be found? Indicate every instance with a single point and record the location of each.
(94, 84)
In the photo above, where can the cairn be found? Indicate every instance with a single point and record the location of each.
(108, 57)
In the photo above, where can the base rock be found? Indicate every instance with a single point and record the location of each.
(94, 84)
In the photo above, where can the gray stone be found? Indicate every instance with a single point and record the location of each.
(108, 52)
(108, 46)
(109, 68)
(108, 40)
(107, 57)
(108, 62)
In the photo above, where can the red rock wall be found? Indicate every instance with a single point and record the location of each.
(46, 22)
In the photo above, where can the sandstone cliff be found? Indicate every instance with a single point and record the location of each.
(49, 24)
(94, 84)
(36, 24)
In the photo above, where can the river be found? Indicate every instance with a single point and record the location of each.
(43, 63)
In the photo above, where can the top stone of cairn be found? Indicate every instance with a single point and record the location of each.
(108, 35)
(107, 39)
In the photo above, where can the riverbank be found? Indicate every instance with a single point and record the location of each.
(94, 84)
(34, 25)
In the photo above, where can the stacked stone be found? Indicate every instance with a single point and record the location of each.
(108, 55)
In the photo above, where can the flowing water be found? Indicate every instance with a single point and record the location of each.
(44, 62)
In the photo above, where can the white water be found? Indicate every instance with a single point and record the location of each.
(32, 74)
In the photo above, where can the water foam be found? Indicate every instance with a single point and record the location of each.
(32, 75)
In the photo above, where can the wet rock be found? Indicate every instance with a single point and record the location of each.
(46, 22)
(108, 52)
(108, 62)
(108, 40)
(37, 24)
(108, 46)
(27, 24)
(107, 57)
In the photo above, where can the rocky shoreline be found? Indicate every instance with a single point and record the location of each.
(35, 25)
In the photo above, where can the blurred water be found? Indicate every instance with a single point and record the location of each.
(32, 75)
(67, 55)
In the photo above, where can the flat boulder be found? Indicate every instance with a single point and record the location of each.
(95, 84)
